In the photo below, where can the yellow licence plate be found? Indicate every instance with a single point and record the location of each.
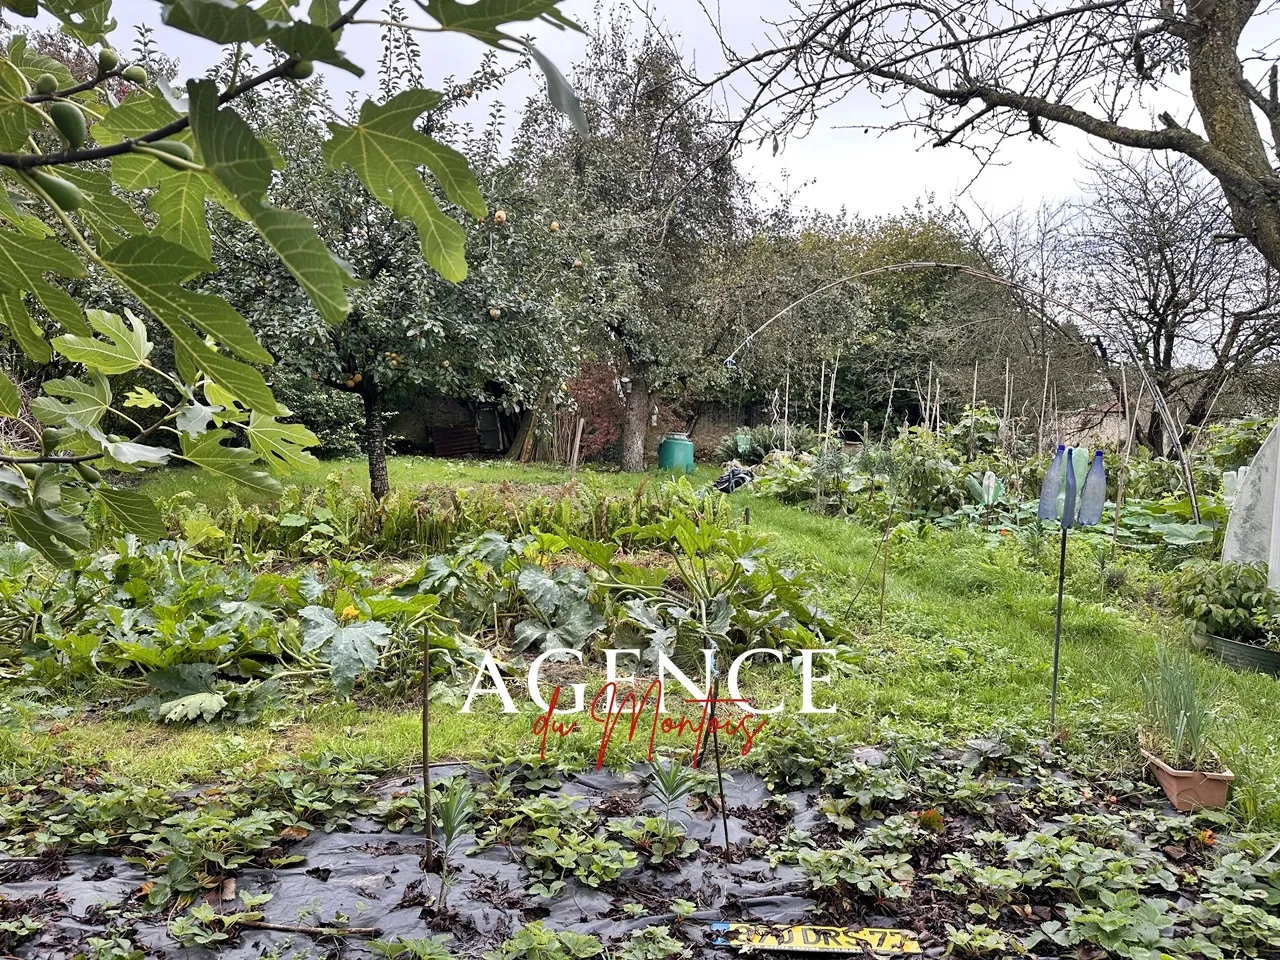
(803, 939)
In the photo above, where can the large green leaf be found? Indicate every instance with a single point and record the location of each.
(237, 463)
(559, 91)
(33, 63)
(483, 18)
(153, 268)
(123, 350)
(385, 151)
(83, 402)
(88, 21)
(312, 41)
(10, 401)
(105, 213)
(543, 592)
(33, 529)
(25, 260)
(141, 112)
(184, 692)
(180, 200)
(280, 445)
(294, 239)
(134, 511)
(240, 162)
(240, 380)
(179, 205)
(227, 144)
(351, 649)
(17, 117)
(222, 21)
(14, 315)
(23, 8)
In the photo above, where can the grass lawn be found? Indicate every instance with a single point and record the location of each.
(405, 473)
(965, 649)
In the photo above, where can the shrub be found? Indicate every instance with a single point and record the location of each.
(1234, 444)
(751, 445)
(1229, 600)
(337, 419)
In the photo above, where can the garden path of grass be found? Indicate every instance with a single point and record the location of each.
(965, 649)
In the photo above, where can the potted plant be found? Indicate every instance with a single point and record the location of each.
(1233, 611)
(1176, 740)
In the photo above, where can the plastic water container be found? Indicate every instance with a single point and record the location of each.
(675, 453)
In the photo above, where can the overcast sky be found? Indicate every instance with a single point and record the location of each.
(834, 166)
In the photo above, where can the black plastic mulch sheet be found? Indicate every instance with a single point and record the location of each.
(369, 877)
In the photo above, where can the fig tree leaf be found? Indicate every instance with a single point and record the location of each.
(32, 529)
(240, 162)
(23, 263)
(10, 401)
(227, 144)
(69, 398)
(280, 445)
(312, 41)
(120, 349)
(193, 418)
(237, 463)
(23, 8)
(560, 92)
(106, 214)
(153, 269)
(294, 239)
(133, 511)
(385, 151)
(14, 315)
(142, 398)
(483, 18)
(179, 205)
(222, 21)
(84, 20)
(240, 380)
(17, 117)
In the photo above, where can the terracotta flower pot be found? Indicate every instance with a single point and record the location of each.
(1190, 789)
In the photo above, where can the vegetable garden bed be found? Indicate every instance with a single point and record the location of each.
(991, 848)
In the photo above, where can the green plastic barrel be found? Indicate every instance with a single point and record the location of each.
(675, 453)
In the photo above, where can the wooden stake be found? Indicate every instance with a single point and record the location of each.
(1044, 400)
(888, 408)
(1057, 422)
(577, 445)
(1008, 384)
(831, 402)
(973, 411)
(928, 400)
(786, 412)
(822, 389)
(430, 861)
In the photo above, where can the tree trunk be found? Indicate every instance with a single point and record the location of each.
(1155, 432)
(635, 424)
(1238, 155)
(375, 443)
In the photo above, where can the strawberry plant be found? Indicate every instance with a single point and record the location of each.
(533, 941)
